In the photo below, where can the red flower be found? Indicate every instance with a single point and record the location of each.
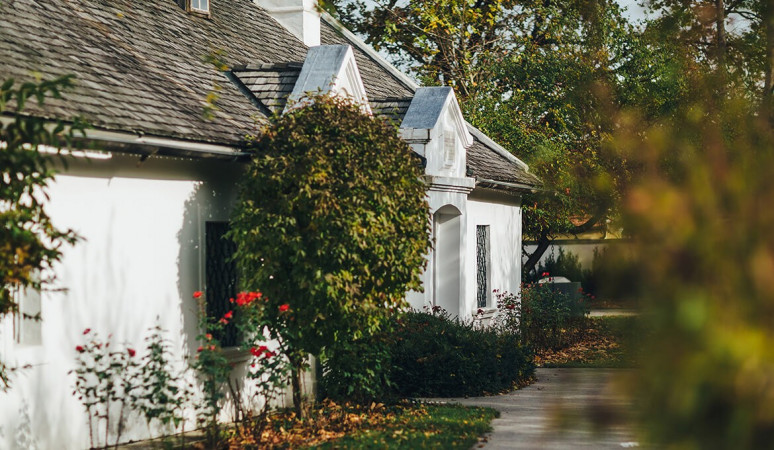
(208, 336)
(284, 307)
(510, 306)
(545, 274)
(269, 354)
(200, 349)
(86, 331)
(223, 321)
(254, 351)
(197, 294)
(131, 351)
(79, 349)
(228, 315)
(212, 348)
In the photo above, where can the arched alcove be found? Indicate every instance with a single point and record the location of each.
(447, 223)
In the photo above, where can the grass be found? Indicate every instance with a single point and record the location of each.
(611, 342)
(425, 426)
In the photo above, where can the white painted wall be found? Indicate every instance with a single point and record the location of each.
(503, 215)
(139, 263)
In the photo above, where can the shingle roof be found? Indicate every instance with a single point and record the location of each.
(391, 108)
(486, 164)
(270, 83)
(139, 65)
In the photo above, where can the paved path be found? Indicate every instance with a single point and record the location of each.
(613, 312)
(564, 409)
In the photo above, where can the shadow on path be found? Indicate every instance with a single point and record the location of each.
(564, 409)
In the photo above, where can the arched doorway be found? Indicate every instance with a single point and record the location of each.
(447, 223)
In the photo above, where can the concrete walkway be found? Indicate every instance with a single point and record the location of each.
(564, 409)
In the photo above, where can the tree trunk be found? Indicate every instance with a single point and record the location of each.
(295, 381)
(768, 18)
(720, 24)
(542, 245)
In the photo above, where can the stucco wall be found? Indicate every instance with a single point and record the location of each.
(138, 264)
(503, 215)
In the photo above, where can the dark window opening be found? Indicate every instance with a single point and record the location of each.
(482, 263)
(221, 277)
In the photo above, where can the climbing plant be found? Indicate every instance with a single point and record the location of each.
(29, 242)
(331, 225)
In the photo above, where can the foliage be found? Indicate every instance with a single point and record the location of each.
(704, 244)
(213, 368)
(160, 394)
(331, 225)
(426, 426)
(549, 319)
(565, 264)
(435, 355)
(29, 242)
(614, 274)
(332, 425)
(543, 78)
(104, 380)
(358, 370)
(609, 342)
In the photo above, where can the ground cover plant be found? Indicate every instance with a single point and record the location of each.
(609, 342)
(332, 425)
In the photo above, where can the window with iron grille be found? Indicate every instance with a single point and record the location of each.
(482, 265)
(221, 277)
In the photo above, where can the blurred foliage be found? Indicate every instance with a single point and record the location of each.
(331, 226)
(542, 78)
(701, 215)
(29, 242)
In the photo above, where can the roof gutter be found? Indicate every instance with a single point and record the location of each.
(518, 186)
(144, 144)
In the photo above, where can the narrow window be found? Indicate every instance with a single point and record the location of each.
(482, 265)
(449, 147)
(221, 277)
(27, 321)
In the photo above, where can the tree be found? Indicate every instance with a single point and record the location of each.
(543, 78)
(331, 226)
(29, 242)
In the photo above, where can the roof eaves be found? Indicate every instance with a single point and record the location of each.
(486, 140)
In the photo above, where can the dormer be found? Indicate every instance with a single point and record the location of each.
(198, 7)
(330, 69)
(436, 130)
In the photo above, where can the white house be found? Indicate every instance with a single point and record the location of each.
(153, 194)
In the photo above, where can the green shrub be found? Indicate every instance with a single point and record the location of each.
(550, 320)
(435, 355)
(564, 264)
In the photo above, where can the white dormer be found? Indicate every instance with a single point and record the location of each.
(300, 17)
(436, 130)
(331, 69)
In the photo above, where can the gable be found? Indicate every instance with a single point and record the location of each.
(434, 127)
(331, 69)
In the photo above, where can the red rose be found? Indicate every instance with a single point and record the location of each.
(269, 354)
(228, 315)
(208, 336)
(255, 352)
(200, 349)
(131, 351)
(212, 348)
(197, 294)
(79, 349)
(284, 307)
(86, 331)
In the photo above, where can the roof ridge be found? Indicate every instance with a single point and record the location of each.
(267, 66)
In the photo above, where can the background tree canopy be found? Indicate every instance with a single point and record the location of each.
(543, 78)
